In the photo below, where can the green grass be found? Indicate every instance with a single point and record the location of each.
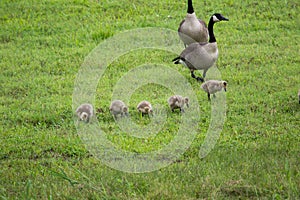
(44, 43)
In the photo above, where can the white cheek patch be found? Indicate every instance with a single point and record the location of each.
(215, 19)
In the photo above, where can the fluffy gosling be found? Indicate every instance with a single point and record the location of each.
(118, 107)
(145, 108)
(85, 112)
(213, 86)
(178, 102)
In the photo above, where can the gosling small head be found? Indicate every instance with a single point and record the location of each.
(125, 110)
(186, 101)
(84, 116)
(151, 111)
(148, 110)
(224, 85)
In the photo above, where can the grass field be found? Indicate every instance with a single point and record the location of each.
(43, 45)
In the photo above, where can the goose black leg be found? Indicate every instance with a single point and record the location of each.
(197, 78)
(208, 95)
(192, 74)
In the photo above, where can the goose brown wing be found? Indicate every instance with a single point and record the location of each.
(203, 23)
(203, 43)
(192, 47)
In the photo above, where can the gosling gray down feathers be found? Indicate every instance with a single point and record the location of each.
(118, 107)
(145, 107)
(192, 29)
(85, 112)
(213, 86)
(178, 102)
(201, 56)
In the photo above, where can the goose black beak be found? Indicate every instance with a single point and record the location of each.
(222, 18)
(225, 19)
(225, 89)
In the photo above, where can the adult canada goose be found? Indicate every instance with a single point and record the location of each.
(201, 56)
(85, 112)
(118, 107)
(145, 107)
(192, 29)
(213, 86)
(178, 102)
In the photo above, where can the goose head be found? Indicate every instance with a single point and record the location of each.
(217, 17)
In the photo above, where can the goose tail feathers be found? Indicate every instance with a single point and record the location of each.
(177, 60)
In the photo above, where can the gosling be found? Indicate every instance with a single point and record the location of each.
(178, 102)
(118, 107)
(213, 86)
(145, 108)
(85, 112)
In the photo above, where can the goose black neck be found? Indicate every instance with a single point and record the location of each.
(211, 31)
(190, 9)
